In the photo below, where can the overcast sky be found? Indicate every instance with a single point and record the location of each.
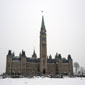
(20, 23)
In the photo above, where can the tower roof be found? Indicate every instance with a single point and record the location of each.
(43, 30)
(43, 24)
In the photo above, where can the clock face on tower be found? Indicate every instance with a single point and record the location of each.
(43, 30)
(43, 40)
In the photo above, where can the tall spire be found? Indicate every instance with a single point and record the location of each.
(42, 24)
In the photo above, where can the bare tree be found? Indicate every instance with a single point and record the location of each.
(81, 70)
(76, 66)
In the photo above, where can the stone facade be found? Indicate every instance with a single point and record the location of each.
(23, 65)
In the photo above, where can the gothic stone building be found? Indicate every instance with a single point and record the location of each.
(26, 66)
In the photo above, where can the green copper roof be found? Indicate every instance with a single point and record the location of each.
(43, 24)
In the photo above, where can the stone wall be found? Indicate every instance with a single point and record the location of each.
(16, 67)
(32, 68)
(70, 66)
(8, 65)
(65, 68)
(51, 68)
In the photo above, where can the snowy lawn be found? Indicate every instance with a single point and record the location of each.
(42, 81)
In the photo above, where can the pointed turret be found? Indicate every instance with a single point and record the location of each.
(34, 55)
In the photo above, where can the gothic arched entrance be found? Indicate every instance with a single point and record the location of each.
(44, 71)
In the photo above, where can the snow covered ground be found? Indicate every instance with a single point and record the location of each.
(42, 81)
